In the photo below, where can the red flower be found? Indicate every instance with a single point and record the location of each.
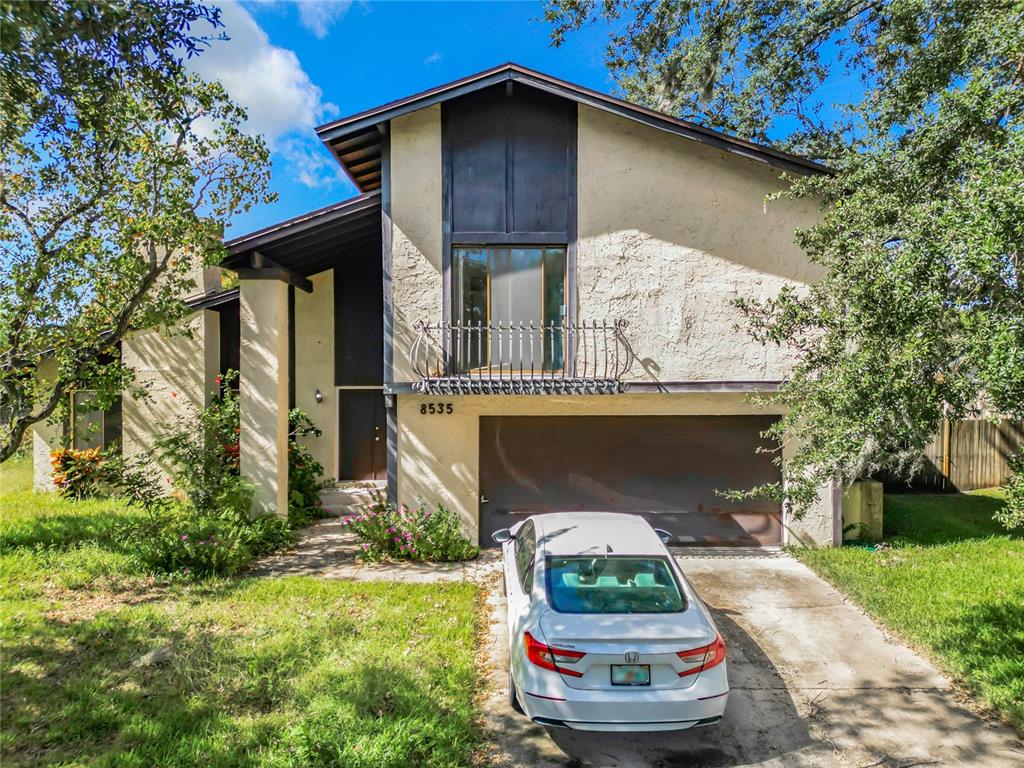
(174, 394)
(218, 379)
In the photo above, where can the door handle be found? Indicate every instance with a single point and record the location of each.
(483, 498)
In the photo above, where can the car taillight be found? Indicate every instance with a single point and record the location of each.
(546, 657)
(705, 657)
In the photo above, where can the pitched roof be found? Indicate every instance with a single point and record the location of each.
(356, 140)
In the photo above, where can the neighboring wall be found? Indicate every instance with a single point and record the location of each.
(177, 372)
(416, 229)
(670, 233)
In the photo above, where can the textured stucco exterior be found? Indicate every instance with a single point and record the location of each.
(263, 393)
(175, 372)
(415, 229)
(669, 233)
(314, 367)
(47, 436)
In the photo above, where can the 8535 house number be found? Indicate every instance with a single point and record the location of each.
(437, 408)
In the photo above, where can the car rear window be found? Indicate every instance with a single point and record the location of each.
(612, 585)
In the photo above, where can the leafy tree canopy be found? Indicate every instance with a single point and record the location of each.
(119, 169)
(920, 314)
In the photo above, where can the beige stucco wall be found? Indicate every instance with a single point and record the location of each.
(416, 229)
(263, 393)
(669, 232)
(46, 436)
(314, 366)
(438, 455)
(176, 372)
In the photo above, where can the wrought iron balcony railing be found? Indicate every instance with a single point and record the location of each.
(589, 357)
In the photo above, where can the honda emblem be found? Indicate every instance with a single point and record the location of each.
(632, 657)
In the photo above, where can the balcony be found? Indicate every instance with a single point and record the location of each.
(586, 358)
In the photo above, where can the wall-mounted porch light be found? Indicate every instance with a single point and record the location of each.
(318, 396)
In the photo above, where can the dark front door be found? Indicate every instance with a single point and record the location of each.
(665, 468)
(362, 427)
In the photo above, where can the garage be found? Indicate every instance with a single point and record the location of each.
(665, 468)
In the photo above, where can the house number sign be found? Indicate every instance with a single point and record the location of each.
(437, 408)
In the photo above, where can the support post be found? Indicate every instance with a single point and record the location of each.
(263, 393)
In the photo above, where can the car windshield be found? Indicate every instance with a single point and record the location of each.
(612, 585)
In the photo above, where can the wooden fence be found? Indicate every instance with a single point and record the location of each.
(979, 452)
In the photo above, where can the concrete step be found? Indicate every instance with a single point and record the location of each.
(348, 498)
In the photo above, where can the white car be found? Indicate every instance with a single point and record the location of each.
(605, 632)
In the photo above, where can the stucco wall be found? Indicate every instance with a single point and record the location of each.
(176, 372)
(671, 231)
(263, 393)
(438, 455)
(46, 436)
(314, 366)
(416, 228)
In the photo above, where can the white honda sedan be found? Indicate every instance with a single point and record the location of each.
(605, 632)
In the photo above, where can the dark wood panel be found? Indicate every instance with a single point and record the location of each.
(475, 133)
(540, 162)
(665, 468)
(359, 324)
(363, 443)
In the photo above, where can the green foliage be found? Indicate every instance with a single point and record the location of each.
(263, 672)
(920, 314)
(189, 544)
(305, 474)
(1012, 515)
(408, 533)
(119, 171)
(950, 582)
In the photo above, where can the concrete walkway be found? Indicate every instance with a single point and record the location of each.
(814, 683)
(326, 549)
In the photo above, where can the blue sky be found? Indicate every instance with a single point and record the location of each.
(296, 65)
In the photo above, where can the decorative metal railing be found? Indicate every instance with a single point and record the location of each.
(589, 357)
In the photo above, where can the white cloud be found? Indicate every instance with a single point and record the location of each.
(433, 58)
(310, 164)
(318, 15)
(267, 80)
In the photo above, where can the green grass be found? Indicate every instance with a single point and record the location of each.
(263, 672)
(951, 582)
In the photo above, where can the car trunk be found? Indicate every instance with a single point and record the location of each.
(607, 638)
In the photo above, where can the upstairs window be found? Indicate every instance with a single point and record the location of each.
(500, 292)
(92, 427)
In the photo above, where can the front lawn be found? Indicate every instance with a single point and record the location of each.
(950, 581)
(258, 672)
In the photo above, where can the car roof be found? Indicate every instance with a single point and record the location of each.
(592, 533)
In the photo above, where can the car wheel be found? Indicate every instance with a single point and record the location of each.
(513, 699)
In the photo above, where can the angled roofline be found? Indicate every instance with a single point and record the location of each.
(378, 116)
(302, 222)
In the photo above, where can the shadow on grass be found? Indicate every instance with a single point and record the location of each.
(929, 519)
(282, 689)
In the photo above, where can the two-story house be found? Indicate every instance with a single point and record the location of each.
(529, 307)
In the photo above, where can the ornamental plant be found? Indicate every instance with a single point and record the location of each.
(410, 533)
(77, 474)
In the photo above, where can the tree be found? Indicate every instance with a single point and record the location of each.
(119, 169)
(920, 315)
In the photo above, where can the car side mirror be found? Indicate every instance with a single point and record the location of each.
(500, 537)
(665, 536)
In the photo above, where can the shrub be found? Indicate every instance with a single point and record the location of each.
(78, 474)
(305, 474)
(1012, 515)
(181, 541)
(410, 533)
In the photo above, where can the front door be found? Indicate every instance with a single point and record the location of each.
(363, 443)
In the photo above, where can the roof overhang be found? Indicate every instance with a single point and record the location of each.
(293, 250)
(355, 141)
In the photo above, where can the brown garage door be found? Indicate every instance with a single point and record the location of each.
(666, 468)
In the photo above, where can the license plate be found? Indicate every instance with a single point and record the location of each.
(631, 674)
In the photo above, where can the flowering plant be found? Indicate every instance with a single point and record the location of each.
(410, 533)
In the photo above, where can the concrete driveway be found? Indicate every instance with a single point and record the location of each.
(814, 683)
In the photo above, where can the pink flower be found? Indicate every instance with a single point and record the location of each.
(366, 546)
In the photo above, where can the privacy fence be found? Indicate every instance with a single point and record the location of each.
(966, 455)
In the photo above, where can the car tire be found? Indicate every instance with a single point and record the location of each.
(513, 699)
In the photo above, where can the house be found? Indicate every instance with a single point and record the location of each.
(528, 307)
